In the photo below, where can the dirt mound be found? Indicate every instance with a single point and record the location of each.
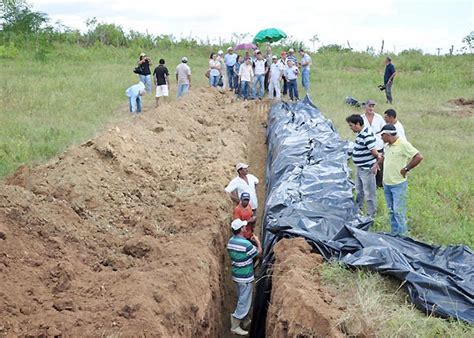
(125, 233)
(300, 306)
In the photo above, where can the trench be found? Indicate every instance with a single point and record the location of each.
(256, 155)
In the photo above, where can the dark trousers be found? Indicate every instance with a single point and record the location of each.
(285, 86)
(379, 176)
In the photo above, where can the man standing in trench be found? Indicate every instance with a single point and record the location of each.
(242, 253)
(244, 182)
(400, 158)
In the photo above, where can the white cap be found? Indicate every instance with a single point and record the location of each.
(220, 52)
(142, 54)
(291, 50)
(237, 224)
(241, 165)
(229, 48)
(184, 59)
(274, 57)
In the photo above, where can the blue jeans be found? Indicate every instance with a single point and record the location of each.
(259, 79)
(305, 79)
(232, 78)
(182, 89)
(395, 196)
(244, 89)
(135, 104)
(293, 89)
(146, 80)
(214, 80)
(244, 300)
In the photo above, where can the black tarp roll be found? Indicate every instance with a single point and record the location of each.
(309, 194)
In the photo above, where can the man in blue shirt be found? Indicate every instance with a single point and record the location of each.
(134, 94)
(229, 59)
(388, 78)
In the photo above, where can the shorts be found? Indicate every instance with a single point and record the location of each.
(161, 90)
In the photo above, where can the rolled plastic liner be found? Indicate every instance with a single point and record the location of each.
(310, 195)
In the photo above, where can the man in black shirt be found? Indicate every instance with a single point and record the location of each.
(160, 76)
(145, 74)
(388, 78)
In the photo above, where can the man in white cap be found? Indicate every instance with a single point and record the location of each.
(400, 158)
(276, 75)
(375, 122)
(183, 76)
(230, 59)
(244, 182)
(134, 94)
(291, 56)
(242, 253)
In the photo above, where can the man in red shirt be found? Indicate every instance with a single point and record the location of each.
(244, 212)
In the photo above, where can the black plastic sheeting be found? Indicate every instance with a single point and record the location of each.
(309, 194)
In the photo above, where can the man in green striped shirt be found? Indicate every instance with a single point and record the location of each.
(242, 253)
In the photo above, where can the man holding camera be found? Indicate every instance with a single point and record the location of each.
(388, 78)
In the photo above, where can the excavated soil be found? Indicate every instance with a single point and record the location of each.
(300, 306)
(125, 234)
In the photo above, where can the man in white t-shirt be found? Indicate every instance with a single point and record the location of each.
(390, 117)
(276, 74)
(375, 122)
(244, 182)
(183, 76)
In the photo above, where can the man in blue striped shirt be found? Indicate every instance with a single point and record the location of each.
(242, 253)
(365, 157)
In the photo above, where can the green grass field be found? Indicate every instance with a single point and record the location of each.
(45, 106)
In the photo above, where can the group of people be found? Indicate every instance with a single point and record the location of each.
(244, 246)
(250, 75)
(160, 79)
(383, 158)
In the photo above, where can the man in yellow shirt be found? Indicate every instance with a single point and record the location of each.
(400, 157)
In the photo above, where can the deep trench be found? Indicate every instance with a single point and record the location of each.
(256, 158)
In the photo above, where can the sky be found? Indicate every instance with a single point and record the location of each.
(402, 24)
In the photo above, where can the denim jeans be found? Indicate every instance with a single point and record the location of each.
(365, 188)
(305, 79)
(182, 89)
(259, 79)
(231, 78)
(293, 89)
(135, 104)
(146, 80)
(214, 80)
(244, 300)
(388, 92)
(395, 196)
(244, 89)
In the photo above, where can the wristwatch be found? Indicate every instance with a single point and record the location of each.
(406, 169)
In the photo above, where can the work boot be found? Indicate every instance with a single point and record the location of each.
(246, 322)
(235, 327)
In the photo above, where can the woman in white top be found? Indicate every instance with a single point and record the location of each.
(215, 70)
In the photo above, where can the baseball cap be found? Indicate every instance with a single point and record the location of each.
(388, 129)
(370, 102)
(184, 59)
(291, 50)
(142, 54)
(241, 165)
(220, 52)
(274, 57)
(245, 196)
(230, 48)
(237, 224)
